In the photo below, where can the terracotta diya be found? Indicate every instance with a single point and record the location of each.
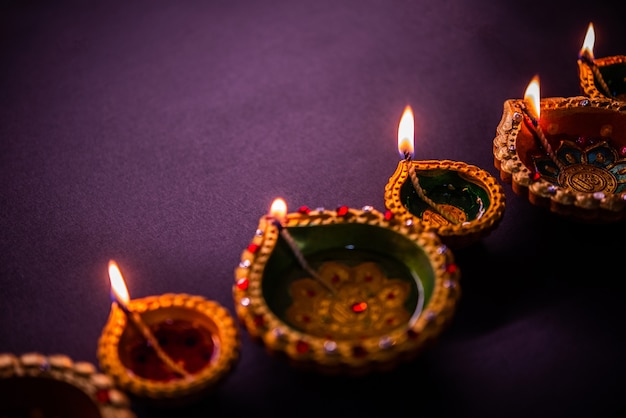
(37, 385)
(567, 154)
(171, 349)
(461, 202)
(345, 291)
(601, 77)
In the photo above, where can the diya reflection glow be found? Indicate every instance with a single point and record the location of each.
(36, 385)
(172, 348)
(460, 202)
(601, 77)
(578, 170)
(393, 289)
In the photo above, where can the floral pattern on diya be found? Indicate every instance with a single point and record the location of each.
(587, 166)
(365, 303)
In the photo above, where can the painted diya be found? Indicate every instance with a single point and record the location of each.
(460, 202)
(37, 385)
(170, 349)
(601, 77)
(571, 159)
(344, 291)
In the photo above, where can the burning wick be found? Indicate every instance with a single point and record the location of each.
(531, 108)
(586, 56)
(278, 211)
(406, 134)
(119, 294)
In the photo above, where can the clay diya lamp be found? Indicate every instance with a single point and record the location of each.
(169, 349)
(345, 291)
(37, 385)
(566, 154)
(460, 202)
(601, 77)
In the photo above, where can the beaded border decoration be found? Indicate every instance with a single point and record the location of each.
(345, 356)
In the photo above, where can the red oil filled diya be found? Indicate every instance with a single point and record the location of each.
(346, 291)
(171, 348)
(36, 385)
(565, 154)
(460, 202)
(601, 77)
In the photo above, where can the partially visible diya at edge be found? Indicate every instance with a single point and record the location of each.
(583, 177)
(38, 385)
(601, 77)
(169, 349)
(385, 290)
(462, 203)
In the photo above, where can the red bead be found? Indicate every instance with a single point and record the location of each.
(359, 307)
(242, 284)
(102, 396)
(388, 215)
(302, 347)
(253, 248)
(622, 151)
(391, 295)
(535, 176)
(451, 268)
(342, 210)
(304, 210)
(258, 320)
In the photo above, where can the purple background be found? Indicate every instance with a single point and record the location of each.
(156, 133)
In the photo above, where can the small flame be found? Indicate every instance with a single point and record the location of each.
(532, 98)
(278, 208)
(118, 286)
(588, 43)
(406, 133)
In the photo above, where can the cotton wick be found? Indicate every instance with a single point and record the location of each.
(586, 58)
(542, 138)
(135, 318)
(300, 257)
(420, 192)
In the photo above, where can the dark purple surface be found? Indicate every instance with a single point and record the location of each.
(156, 133)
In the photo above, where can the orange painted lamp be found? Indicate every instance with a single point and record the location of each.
(171, 349)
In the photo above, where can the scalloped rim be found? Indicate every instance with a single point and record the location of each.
(204, 380)
(81, 375)
(566, 202)
(337, 356)
(454, 235)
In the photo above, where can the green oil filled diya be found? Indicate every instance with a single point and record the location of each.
(565, 154)
(460, 202)
(36, 385)
(601, 77)
(345, 291)
(169, 349)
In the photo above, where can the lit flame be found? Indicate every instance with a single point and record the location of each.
(278, 209)
(406, 133)
(531, 97)
(118, 286)
(588, 43)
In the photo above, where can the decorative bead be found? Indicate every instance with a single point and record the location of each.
(245, 302)
(330, 346)
(304, 210)
(302, 347)
(385, 342)
(342, 210)
(244, 264)
(242, 284)
(253, 248)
